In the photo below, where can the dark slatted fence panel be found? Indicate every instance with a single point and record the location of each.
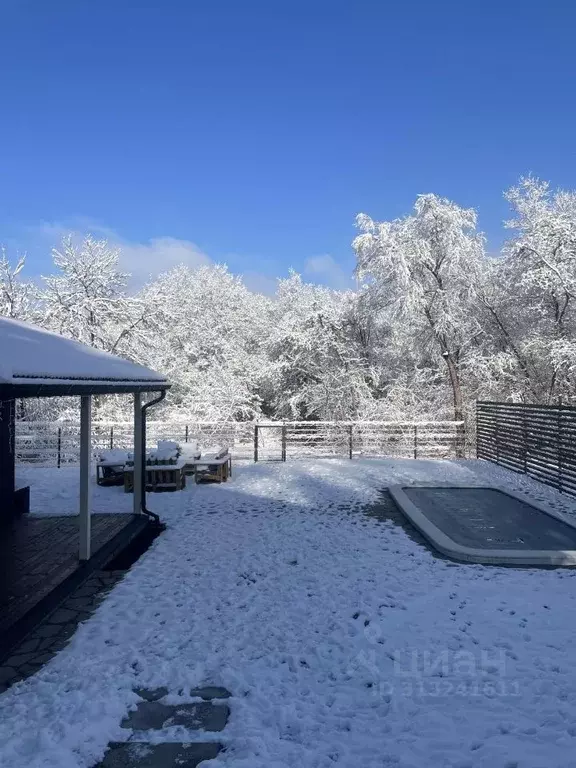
(539, 440)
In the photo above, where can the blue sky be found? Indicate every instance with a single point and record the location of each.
(253, 131)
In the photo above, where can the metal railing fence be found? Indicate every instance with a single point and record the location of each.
(58, 443)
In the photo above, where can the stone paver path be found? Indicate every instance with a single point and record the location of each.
(140, 755)
(209, 715)
(151, 714)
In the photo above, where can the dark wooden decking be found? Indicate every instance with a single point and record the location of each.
(39, 565)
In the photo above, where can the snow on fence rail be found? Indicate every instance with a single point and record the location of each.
(55, 444)
(402, 439)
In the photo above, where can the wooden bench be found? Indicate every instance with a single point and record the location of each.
(109, 473)
(211, 468)
(110, 466)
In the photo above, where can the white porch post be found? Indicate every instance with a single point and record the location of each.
(85, 459)
(138, 455)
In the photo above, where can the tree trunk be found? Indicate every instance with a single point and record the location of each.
(458, 403)
(508, 342)
(454, 382)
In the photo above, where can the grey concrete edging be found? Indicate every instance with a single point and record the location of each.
(444, 544)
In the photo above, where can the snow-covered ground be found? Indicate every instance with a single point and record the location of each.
(342, 640)
(56, 491)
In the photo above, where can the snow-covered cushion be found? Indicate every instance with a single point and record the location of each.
(162, 455)
(167, 446)
(190, 450)
(114, 456)
(166, 450)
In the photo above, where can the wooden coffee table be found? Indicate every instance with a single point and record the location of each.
(159, 477)
(218, 470)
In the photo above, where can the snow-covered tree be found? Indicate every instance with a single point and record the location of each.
(87, 299)
(539, 272)
(16, 296)
(421, 274)
(206, 331)
(318, 368)
(434, 324)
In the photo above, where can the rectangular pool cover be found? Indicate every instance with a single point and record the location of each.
(488, 525)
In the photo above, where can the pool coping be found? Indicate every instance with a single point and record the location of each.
(447, 546)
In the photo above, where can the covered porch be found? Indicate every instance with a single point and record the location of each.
(42, 559)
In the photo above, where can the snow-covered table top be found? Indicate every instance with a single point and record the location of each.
(190, 455)
(180, 464)
(204, 461)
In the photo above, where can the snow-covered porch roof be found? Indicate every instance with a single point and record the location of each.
(37, 363)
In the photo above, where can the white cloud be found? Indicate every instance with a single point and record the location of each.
(145, 260)
(324, 269)
(52, 232)
(141, 260)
